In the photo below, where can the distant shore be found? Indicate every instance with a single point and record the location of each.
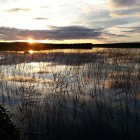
(24, 46)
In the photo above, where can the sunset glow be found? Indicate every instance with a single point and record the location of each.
(31, 51)
(69, 69)
(62, 21)
(30, 41)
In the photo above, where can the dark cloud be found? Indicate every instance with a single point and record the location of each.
(108, 18)
(40, 18)
(123, 3)
(55, 33)
(15, 10)
(124, 8)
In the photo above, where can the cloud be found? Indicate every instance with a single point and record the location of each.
(111, 22)
(125, 12)
(122, 3)
(45, 7)
(40, 18)
(58, 33)
(120, 8)
(138, 14)
(114, 35)
(130, 29)
(108, 18)
(15, 10)
(55, 33)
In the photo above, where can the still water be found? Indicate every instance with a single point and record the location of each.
(72, 94)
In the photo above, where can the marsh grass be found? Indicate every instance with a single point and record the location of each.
(7, 129)
(89, 95)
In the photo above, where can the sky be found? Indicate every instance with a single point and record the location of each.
(70, 21)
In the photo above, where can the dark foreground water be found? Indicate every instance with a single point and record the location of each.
(71, 94)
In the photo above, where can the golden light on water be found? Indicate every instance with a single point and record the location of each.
(31, 51)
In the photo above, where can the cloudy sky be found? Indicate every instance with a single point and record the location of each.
(95, 21)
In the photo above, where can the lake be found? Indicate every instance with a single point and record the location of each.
(72, 94)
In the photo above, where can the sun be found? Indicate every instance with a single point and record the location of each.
(30, 40)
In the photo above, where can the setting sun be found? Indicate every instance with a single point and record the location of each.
(30, 40)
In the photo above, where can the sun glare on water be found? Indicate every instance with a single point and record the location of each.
(31, 51)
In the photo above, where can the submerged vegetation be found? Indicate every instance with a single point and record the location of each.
(73, 94)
